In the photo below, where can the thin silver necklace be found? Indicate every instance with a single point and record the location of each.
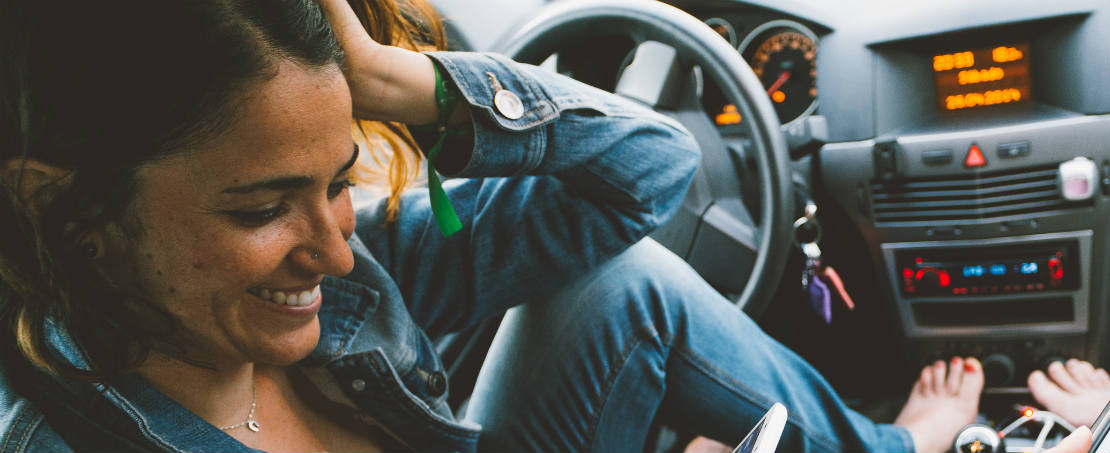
(250, 422)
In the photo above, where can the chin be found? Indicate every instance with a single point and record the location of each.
(290, 348)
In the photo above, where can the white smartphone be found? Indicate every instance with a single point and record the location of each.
(764, 438)
(1099, 432)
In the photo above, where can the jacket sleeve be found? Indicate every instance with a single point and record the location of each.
(578, 177)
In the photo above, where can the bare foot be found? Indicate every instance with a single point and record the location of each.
(942, 402)
(1074, 390)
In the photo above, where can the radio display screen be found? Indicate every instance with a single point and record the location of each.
(972, 79)
(988, 271)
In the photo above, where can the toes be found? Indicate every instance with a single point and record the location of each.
(973, 378)
(924, 384)
(1044, 390)
(955, 375)
(1062, 377)
(1084, 373)
(1102, 378)
(939, 371)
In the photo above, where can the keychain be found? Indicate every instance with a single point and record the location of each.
(817, 277)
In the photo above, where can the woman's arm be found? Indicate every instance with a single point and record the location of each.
(580, 175)
(558, 177)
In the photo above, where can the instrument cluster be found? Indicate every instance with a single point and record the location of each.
(783, 55)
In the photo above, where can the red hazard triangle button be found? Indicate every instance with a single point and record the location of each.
(974, 158)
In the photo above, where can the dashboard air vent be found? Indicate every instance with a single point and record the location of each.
(969, 197)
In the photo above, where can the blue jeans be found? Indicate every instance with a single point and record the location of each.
(645, 338)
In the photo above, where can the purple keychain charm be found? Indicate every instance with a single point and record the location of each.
(819, 298)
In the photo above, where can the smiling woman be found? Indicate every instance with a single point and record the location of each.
(182, 269)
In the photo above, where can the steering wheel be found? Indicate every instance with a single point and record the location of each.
(713, 230)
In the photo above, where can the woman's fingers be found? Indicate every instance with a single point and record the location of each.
(387, 83)
(1079, 441)
(350, 32)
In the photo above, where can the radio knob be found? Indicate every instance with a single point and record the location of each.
(999, 369)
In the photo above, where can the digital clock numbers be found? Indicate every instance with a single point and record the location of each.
(982, 77)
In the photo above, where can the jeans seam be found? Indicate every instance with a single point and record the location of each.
(630, 344)
(744, 392)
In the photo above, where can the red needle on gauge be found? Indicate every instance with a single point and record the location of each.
(778, 83)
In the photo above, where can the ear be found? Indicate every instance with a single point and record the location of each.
(35, 183)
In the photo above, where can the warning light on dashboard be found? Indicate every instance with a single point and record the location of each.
(778, 96)
(728, 115)
(1028, 412)
(974, 157)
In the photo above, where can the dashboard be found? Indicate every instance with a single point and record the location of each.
(967, 151)
(960, 155)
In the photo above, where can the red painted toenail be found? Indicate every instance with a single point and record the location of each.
(969, 367)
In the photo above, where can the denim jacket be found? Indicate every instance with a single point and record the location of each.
(577, 177)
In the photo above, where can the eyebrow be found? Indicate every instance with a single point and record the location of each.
(289, 182)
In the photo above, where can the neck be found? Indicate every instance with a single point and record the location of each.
(221, 395)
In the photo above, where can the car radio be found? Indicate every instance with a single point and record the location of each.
(970, 271)
(1019, 284)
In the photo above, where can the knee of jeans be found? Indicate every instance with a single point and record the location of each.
(645, 274)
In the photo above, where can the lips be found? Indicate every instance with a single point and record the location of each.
(292, 298)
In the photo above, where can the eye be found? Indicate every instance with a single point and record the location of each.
(259, 217)
(336, 188)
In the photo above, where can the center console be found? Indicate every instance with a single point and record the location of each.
(985, 194)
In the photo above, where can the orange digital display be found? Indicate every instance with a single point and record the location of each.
(970, 79)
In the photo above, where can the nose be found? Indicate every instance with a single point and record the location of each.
(325, 250)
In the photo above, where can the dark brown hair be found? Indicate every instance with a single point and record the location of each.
(98, 89)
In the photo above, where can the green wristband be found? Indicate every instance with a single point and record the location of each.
(442, 210)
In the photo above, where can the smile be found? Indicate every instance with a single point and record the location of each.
(291, 298)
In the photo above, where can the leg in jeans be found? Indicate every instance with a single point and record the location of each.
(645, 335)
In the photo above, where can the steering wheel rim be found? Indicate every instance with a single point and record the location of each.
(696, 42)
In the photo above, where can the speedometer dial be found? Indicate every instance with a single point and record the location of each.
(783, 54)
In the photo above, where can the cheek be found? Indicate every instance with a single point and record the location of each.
(197, 260)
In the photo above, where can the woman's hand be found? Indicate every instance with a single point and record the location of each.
(1079, 441)
(387, 83)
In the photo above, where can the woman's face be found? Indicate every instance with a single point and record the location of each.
(260, 210)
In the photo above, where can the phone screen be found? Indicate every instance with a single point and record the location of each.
(1099, 431)
(764, 438)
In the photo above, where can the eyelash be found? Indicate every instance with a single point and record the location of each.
(265, 216)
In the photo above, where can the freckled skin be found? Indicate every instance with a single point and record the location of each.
(199, 261)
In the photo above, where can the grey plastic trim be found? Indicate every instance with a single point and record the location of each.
(1080, 297)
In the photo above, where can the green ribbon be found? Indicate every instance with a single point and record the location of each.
(442, 210)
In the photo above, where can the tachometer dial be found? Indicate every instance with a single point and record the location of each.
(783, 54)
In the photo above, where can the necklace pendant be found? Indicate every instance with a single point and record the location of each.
(253, 426)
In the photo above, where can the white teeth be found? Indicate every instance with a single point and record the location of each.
(305, 298)
(299, 299)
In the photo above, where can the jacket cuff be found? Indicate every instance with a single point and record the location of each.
(508, 139)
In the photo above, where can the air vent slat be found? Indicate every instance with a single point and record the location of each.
(970, 197)
(973, 203)
(965, 194)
